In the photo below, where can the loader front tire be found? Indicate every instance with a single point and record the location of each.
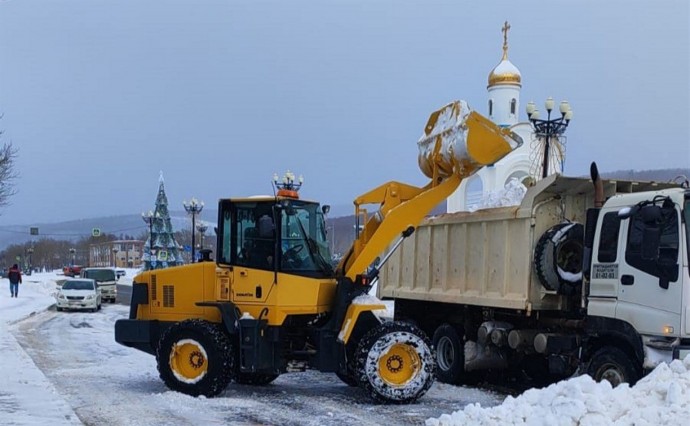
(395, 363)
(195, 357)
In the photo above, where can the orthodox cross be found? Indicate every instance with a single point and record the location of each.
(504, 30)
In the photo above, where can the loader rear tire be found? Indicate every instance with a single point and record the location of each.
(395, 363)
(195, 357)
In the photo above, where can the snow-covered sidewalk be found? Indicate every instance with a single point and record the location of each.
(26, 395)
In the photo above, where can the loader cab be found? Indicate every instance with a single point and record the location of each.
(280, 235)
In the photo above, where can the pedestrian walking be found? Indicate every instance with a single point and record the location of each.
(15, 278)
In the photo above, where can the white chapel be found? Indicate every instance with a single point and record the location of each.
(505, 82)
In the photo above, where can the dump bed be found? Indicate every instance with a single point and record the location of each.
(485, 258)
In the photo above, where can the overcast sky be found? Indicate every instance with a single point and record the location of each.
(99, 96)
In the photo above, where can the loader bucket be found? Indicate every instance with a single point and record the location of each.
(458, 140)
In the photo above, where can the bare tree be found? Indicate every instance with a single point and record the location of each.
(7, 172)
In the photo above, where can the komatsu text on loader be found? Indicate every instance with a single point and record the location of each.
(272, 303)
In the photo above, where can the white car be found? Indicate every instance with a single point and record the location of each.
(79, 293)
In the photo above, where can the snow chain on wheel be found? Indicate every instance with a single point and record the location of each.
(558, 258)
(195, 357)
(394, 363)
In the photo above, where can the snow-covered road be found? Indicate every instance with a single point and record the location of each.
(108, 384)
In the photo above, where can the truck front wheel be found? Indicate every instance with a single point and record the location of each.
(612, 364)
(394, 363)
(195, 357)
(450, 354)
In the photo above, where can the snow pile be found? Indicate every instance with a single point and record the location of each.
(511, 195)
(661, 398)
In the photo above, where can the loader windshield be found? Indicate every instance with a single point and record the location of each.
(304, 244)
(288, 236)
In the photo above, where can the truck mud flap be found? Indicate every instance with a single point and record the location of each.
(680, 352)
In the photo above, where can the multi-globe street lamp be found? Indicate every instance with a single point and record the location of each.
(193, 208)
(549, 128)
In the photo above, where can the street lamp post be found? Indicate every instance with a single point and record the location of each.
(193, 208)
(202, 229)
(149, 218)
(549, 128)
(73, 253)
(115, 250)
(30, 250)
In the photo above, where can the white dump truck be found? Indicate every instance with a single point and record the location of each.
(577, 278)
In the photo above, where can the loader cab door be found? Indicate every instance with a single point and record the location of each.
(247, 242)
(649, 288)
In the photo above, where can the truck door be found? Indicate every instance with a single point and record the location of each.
(649, 290)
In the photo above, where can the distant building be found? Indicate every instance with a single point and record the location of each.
(504, 84)
(118, 253)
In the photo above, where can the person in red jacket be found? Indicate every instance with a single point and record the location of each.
(15, 278)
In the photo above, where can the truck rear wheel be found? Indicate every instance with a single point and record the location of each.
(450, 354)
(612, 364)
(195, 357)
(394, 363)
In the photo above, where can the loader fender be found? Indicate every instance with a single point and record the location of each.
(352, 316)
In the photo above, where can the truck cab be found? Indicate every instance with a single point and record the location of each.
(639, 272)
(106, 280)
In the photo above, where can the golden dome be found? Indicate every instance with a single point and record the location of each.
(505, 72)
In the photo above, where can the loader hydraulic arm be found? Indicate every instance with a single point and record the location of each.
(457, 143)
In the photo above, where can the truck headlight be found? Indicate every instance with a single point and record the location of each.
(90, 297)
(61, 296)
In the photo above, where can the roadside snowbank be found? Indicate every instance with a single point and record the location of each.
(27, 397)
(661, 398)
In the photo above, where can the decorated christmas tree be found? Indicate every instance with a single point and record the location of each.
(161, 250)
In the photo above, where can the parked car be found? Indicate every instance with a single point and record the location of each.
(106, 280)
(78, 293)
(71, 271)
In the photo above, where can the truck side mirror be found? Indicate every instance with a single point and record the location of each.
(325, 209)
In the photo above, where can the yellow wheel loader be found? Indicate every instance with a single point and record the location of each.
(272, 302)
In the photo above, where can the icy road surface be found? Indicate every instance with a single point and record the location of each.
(109, 384)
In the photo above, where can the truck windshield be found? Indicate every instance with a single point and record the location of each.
(304, 244)
(100, 274)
